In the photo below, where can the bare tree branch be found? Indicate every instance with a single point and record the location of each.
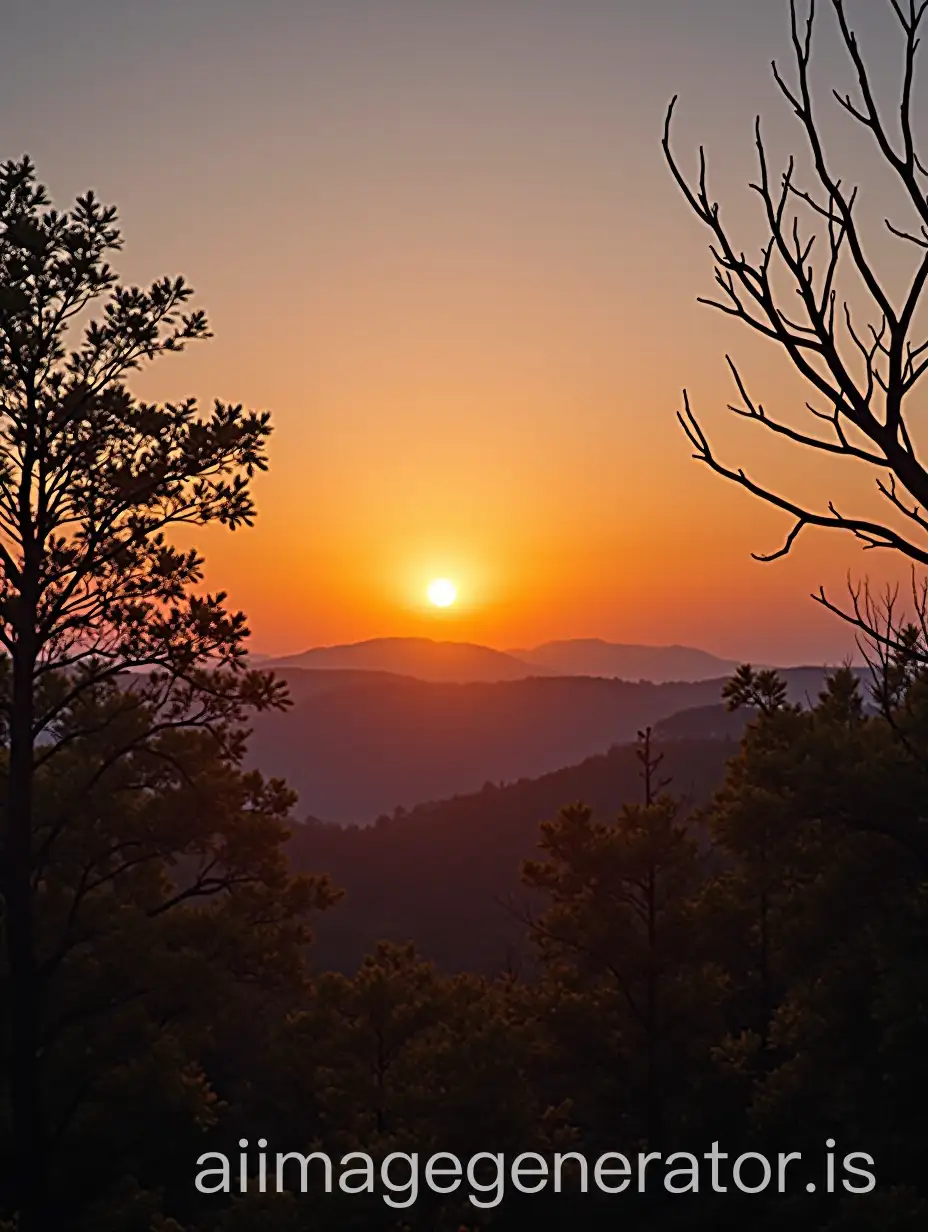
(821, 341)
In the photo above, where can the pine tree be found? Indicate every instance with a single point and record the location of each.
(92, 481)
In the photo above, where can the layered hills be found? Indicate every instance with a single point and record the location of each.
(356, 744)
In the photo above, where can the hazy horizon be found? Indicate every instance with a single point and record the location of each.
(260, 651)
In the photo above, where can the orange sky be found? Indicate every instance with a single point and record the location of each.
(440, 244)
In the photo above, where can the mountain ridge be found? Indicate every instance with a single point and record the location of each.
(448, 661)
(595, 656)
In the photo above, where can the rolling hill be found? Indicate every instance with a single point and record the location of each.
(715, 722)
(418, 657)
(446, 875)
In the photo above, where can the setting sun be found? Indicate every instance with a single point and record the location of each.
(442, 592)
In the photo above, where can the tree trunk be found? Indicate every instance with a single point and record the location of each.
(28, 1123)
(655, 1118)
(766, 991)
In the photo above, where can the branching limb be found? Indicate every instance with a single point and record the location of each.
(756, 412)
(871, 534)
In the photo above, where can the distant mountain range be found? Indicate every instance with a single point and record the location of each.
(467, 663)
(358, 743)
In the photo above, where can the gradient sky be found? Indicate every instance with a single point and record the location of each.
(439, 242)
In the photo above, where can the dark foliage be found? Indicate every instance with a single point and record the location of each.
(750, 970)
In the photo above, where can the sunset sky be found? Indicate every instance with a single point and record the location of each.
(440, 243)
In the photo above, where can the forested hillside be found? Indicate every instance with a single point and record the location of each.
(446, 875)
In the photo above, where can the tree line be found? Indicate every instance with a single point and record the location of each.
(752, 973)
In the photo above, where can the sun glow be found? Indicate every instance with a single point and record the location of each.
(442, 592)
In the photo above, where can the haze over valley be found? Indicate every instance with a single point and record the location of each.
(400, 721)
